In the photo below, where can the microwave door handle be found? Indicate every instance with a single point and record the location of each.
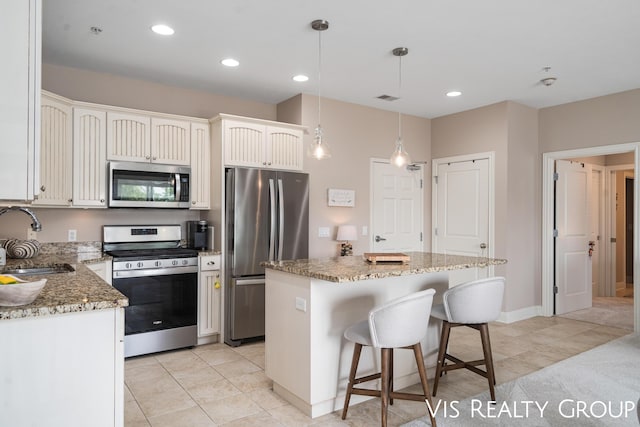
(272, 231)
(178, 186)
(281, 217)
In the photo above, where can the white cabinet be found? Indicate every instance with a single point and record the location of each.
(143, 138)
(89, 158)
(56, 152)
(200, 166)
(20, 30)
(254, 143)
(63, 370)
(209, 298)
(103, 269)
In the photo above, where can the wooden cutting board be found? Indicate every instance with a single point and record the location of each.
(376, 257)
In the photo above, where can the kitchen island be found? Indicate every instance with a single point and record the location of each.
(310, 303)
(62, 359)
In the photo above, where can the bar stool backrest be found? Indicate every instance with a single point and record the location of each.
(479, 301)
(401, 322)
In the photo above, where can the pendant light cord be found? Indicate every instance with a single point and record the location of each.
(319, 71)
(400, 97)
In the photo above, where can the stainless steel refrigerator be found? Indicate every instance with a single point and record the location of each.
(267, 218)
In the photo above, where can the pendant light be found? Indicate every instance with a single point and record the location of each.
(318, 148)
(400, 157)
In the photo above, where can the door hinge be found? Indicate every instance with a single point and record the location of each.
(435, 231)
(421, 236)
(421, 183)
(436, 178)
(555, 289)
(556, 176)
(555, 232)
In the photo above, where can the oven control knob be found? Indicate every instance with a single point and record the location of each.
(128, 265)
(174, 262)
(140, 265)
(185, 262)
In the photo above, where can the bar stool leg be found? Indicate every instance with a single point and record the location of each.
(384, 392)
(357, 349)
(444, 342)
(488, 359)
(391, 376)
(417, 351)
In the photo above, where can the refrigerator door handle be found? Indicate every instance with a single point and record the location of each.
(245, 282)
(281, 217)
(272, 231)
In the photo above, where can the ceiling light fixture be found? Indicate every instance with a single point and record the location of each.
(548, 81)
(319, 148)
(162, 29)
(230, 62)
(300, 78)
(400, 157)
(454, 93)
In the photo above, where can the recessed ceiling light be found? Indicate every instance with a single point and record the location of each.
(162, 29)
(454, 93)
(300, 78)
(230, 62)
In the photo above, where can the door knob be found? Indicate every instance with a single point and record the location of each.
(483, 246)
(379, 239)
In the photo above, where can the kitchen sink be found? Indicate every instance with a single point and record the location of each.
(54, 269)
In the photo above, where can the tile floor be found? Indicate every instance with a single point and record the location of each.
(215, 384)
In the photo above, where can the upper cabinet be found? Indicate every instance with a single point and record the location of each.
(56, 151)
(260, 143)
(20, 29)
(143, 138)
(200, 166)
(89, 157)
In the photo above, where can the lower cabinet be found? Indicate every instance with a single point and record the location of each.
(209, 299)
(63, 370)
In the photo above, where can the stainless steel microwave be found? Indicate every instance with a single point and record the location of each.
(148, 185)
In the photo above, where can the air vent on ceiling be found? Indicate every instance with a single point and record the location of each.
(388, 98)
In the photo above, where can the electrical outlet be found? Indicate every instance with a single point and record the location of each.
(31, 235)
(72, 235)
(301, 304)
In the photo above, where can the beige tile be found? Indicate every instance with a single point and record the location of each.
(165, 403)
(182, 360)
(133, 416)
(267, 398)
(219, 356)
(192, 377)
(159, 385)
(289, 416)
(237, 368)
(144, 373)
(191, 417)
(252, 381)
(231, 408)
(212, 391)
(127, 394)
(262, 419)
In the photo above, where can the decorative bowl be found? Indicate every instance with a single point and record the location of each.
(20, 292)
(21, 248)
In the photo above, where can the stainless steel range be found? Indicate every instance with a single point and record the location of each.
(160, 278)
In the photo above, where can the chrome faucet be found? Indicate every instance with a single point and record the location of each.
(35, 226)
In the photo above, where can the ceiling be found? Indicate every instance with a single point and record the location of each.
(491, 50)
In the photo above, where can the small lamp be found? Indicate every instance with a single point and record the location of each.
(346, 233)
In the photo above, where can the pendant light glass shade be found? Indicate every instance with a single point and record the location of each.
(318, 148)
(400, 157)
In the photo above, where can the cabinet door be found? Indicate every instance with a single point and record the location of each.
(20, 25)
(209, 303)
(200, 166)
(89, 158)
(128, 137)
(284, 148)
(170, 141)
(244, 144)
(56, 153)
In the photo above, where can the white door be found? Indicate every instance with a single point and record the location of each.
(597, 230)
(573, 225)
(461, 212)
(396, 208)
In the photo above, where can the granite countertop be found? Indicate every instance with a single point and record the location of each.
(355, 268)
(81, 290)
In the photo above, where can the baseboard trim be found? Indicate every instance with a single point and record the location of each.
(521, 314)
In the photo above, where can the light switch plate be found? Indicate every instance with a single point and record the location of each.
(365, 230)
(323, 231)
(301, 304)
(72, 235)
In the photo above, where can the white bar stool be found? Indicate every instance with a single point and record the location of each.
(400, 323)
(472, 304)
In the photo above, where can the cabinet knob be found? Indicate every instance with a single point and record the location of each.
(264, 163)
(154, 158)
(211, 263)
(70, 200)
(43, 188)
(193, 202)
(101, 200)
(269, 163)
(147, 157)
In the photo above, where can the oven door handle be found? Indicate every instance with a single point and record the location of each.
(155, 272)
